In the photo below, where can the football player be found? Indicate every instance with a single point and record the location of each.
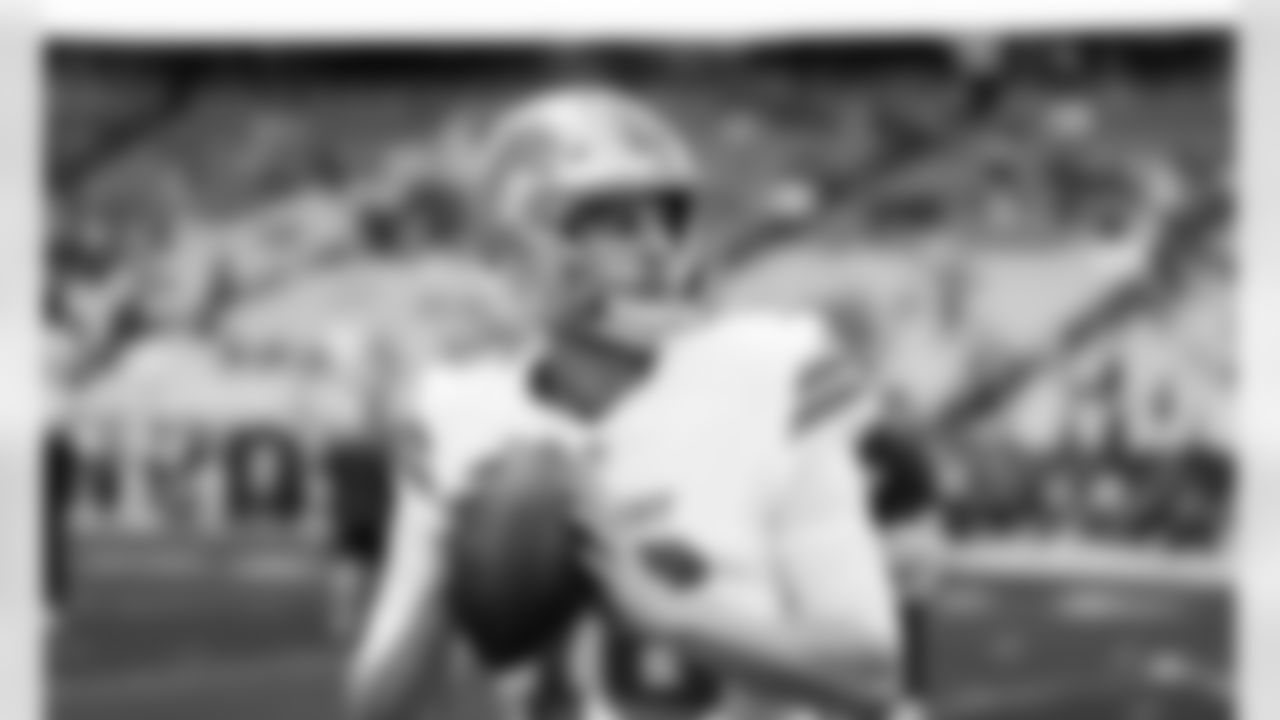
(723, 514)
(359, 475)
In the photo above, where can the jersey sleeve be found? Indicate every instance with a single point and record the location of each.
(834, 391)
(829, 555)
(827, 549)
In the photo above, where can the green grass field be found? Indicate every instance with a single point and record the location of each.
(196, 647)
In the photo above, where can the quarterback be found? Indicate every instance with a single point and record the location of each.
(702, 461)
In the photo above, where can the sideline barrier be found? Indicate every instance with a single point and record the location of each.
(1065, 560)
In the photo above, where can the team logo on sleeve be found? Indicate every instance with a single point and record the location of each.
(834, 380)
(826, 387)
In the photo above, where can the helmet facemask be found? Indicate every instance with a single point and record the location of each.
(626, 243)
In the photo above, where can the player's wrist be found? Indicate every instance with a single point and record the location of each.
(647, 612)
(662, 626)
(679, 624)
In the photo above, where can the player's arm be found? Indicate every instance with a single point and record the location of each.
(400, 655)
(834, 570)
(838, 645)
(820, 660)
(840, 659)
(839, 642)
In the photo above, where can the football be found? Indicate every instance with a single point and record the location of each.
(517, 581)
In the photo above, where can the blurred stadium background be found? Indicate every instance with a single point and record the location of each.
(222, 220)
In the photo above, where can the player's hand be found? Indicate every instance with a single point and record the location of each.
(643, 594)
(655, 581)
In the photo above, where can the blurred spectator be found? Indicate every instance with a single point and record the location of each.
(266, 477)
(175, 452)
(1042, 159)
(359, 470)
(97, 491)
(61, 465)
(905, 479)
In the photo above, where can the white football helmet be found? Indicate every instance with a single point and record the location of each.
(551, 152)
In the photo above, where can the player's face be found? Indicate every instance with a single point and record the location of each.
(625, 244)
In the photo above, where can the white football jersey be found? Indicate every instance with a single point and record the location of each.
(711, 430)
(723, 437)
(472, 410)
(743, 441)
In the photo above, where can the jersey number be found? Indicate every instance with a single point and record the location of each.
(638, 678)
(638, 674)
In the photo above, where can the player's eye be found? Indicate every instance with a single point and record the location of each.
(628, 215)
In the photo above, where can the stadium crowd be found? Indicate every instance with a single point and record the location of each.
(203, 281)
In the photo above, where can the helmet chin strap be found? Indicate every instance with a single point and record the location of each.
(587, 367)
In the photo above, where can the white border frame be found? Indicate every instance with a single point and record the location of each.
(577, 18)
(170, 21)
(21, 659)
(1258, 623)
